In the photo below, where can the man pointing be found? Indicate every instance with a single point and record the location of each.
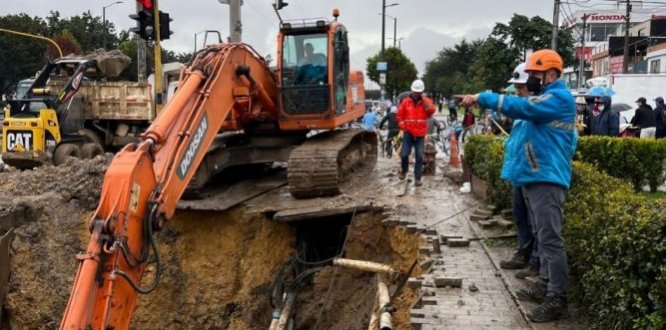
(543, 170)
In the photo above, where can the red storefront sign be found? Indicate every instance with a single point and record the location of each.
(616, 63)
(587, 52)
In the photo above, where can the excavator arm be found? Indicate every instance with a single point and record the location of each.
(225, 87)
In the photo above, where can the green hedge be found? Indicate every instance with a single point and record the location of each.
(639, 161)
(615, 240)
(485, 161)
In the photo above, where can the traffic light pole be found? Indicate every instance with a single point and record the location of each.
(158, 60)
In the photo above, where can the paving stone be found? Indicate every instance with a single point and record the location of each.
(457, 242)
(485, 224)
(507, 224)
(455, 282)
(445, 238)
(426, 265)
(436, 248)
(414, 283)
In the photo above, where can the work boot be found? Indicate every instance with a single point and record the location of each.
(525, 273)
(534, 293)
(402, 176)
(418, 183)
(554, 307)
(518, 261)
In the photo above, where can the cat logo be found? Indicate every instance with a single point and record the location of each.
(19, 140)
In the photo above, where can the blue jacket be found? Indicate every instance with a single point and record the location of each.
(544, 152)
(608, 122)
(369, 121)
(517, 136)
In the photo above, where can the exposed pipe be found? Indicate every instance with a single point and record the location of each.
(384, 300)
(368, 266)
(286, 312)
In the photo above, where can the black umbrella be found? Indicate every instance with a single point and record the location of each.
(619, 107)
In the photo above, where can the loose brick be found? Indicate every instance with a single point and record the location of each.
(445, 238)
(505, 223)
(457, 242)
(485, 224)
(455, 282)
(414, 283)
(436, 248)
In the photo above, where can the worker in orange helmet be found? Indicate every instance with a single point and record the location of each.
(543, 170)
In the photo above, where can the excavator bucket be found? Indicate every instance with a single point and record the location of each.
(5, 244)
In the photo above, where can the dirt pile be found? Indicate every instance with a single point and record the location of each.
(49, 208)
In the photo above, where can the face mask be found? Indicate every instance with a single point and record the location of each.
(534, 85)
(601, 107)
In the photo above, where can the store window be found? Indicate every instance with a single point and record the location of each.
(655, 66)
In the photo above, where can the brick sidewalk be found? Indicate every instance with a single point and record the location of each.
(482, 301)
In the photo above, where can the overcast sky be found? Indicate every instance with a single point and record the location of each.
(426, 25)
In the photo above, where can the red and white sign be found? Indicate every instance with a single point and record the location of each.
(607, 18)
(656, 17)
(616, 64)
(587, 53)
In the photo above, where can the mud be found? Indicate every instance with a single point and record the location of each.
(219, 267)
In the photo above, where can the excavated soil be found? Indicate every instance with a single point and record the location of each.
(218, 267)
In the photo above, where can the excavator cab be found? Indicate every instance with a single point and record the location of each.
(317, 90)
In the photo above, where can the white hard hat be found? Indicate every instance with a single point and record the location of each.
(519, 76)
(580, 100)
(418, 86)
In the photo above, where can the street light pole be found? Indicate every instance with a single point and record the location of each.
(384, 5)
(581, 70)
(395, 27)
(104, 22)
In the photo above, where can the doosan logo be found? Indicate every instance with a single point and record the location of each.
(608, 17)
(193, 148)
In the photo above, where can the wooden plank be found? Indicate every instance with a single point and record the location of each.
(307, 213)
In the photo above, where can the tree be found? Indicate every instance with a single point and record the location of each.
(20, 57)
(67, 43)
(401, 71)
(531, 34)
(89, 30)
(492, 66)
(448, 73)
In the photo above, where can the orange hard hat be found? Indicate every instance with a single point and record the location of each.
(543, 60)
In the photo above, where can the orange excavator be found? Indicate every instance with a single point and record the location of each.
(304, 107)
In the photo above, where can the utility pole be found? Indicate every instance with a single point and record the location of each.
(627, 19)
(158, 60)
(556, 25)
(235, 24)
(395, 30)
(581, 70)
(140, 53)
(383, 23)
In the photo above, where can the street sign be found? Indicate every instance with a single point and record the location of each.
(382, 66)
(382, 78)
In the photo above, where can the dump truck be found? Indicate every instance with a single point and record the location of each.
(71, 109)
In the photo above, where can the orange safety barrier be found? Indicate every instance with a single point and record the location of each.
(454, 159)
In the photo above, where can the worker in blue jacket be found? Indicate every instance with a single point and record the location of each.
(543, 170)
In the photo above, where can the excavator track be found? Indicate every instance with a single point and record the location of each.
(318, 167)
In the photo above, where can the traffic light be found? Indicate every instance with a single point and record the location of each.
(279, 4)
(145, 26)
(165, 31)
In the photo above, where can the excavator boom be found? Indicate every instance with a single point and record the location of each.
(145, 181)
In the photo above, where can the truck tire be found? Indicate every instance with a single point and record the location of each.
(91, 150)
(91, 136)
(64, 152)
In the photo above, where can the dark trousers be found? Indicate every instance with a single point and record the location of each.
(389, 141)
(545, 202)
(527, 246)
(418, 143)
(661, 132)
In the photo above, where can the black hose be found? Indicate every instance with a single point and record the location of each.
(148, 230)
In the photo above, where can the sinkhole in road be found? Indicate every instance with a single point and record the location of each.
(222, 270)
